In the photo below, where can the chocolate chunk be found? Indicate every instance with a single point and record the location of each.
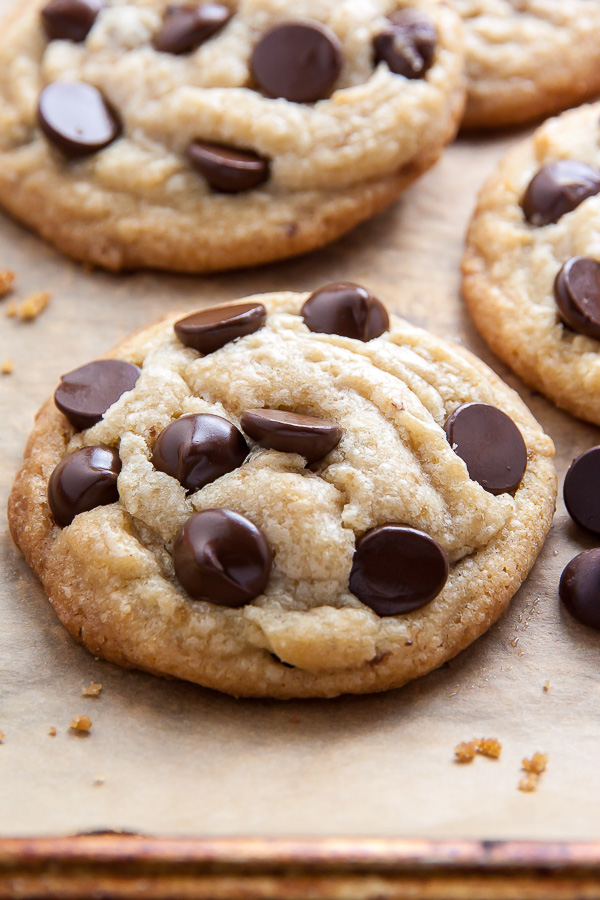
(577, 295)
(76, 118)
(397, 569)
(198, 449)
(85, 394)
(408, 44)
(210, 329)
(299, 61)
(559, 188)
(579, 588)
(222, 557)
(346, 309)
(70, 20)
(490, 444)
(227, 169)
(83, 480)
(187, 26)
(309, 436)
(581, 490)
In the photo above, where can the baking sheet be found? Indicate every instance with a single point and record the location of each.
(170, 758)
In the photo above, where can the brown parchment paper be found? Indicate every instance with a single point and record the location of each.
(170, 758)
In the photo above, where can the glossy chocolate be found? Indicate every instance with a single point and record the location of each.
(275, 429)
(577, 295)
(559, 188)
(85, 394)
(226, 169)
(187, 26)
(580, 588)
(581, 490)
(70, 20)
(408, 44)
(83, 480)
(210, 329)
(346, 309)
(76, 118)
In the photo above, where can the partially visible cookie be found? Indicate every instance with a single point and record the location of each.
(531, 266)
(292, 496)
(528, 58)
(199, 137)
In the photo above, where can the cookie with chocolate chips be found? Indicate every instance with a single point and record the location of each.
(294, 495)
(201, 136)
(532, 262)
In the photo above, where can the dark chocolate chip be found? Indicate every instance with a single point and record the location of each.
(309, 436)
(210, 329)
(299, 61)
(198, 449)
(85, 394)
(346, 309)
(83, 480)
(227, 169)
(490, 444)
(76, 118)
(581, 490)
(577, 295)
(408, 44)
(222, 557)
(559, 188)
(579, 588)
(187, 26)
(397, 569)
(70, 20)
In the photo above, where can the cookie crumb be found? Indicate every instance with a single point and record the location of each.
(7, 279)
(99, 779)
(7, 367)
(529, 783)
(1, 737)
(490, 747)
(92, 691)
(33, 306)
(537, 764)
(546, 687)
(465, 752)
(81, 723)
(52, 731)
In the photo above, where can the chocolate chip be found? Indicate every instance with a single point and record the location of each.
(581, 490)
(85, 394)
(70, 20)
(346, 309)
(559, 188)
(83, 480)
(408, 44)
(222, 557)
(76, 118)
(397, 569)
(579, 588)
(288, 432)
(198, 449)
(299, 61)
(210, 329)
(577, 295)
(187, 26)
(227, 169)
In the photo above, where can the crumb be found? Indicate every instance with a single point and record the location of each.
(465, 752)
(52, 732)
(537, 764)
(92, 691)
(7, 367)
(99, 779)
(7, 279)
(529, 783)
(33, 306)
(490, 747)
(546, 687)
(1, 737)
(81, 723)
(294, 720)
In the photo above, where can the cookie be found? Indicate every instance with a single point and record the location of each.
(300, 496)
(531, 277)
(528, 58)
(205, 137)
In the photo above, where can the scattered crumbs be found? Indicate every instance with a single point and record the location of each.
(529, 783)
(294, 720)
(1, 737)
(33, 306)
(7, 367)
(7, 279)
(99, 779)
(81, 723)
(546, 687)
(537, 764)
(465, 752)
(490, 747)
(52, 731)
(92, 691)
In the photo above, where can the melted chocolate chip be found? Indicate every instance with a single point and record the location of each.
(222, 557)
(198, 449)
(577, 295)
(309, 436)
(210, 329)
(581, 490)
(227, 169)
(408, 44)
(70, 20)
(76, 118)
(559, 188)
(346, 309)
(490, 444)
(579, 588)
(85, 394)
(82, 481)
(186, 27)
(299, 61)
(397, 569)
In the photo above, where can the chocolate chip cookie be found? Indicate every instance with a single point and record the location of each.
(528, 58)
(206, 136)
(290, 496)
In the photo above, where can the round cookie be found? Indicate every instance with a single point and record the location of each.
(205, 137)
(341, 545)
(528, 58)
(530, 277)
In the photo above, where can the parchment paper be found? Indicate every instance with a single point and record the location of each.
(172, 759)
